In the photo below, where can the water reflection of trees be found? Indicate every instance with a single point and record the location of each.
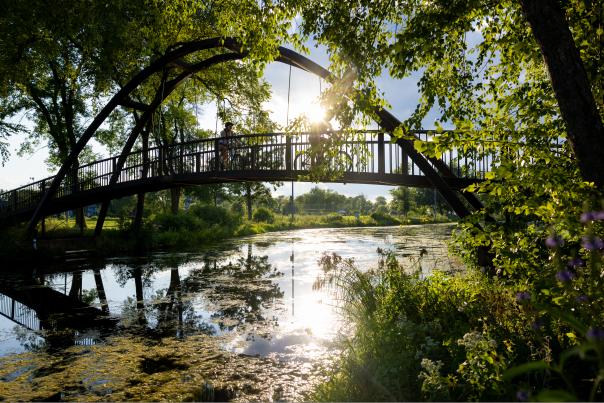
(234, 291)
(165, 313)
(239, 291)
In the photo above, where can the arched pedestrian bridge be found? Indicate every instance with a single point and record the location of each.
(257, 157)
(369, 157)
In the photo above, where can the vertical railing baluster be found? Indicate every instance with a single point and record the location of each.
(216, 156)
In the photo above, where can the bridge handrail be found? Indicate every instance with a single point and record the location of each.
(35, 186)
(189, 142)
(186, 157)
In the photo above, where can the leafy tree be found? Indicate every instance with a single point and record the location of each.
(481, 64)
(58, 65)
(321, 200)
(488, 69)
(405, 199)
(53, 70)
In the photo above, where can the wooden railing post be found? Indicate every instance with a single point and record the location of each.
(160, 161)
(381, 154)
(288, 153)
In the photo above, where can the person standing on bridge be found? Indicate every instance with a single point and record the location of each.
(223, 142)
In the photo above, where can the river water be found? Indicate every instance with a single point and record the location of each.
(239, 320)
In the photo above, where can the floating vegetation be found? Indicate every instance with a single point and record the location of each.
(127, 368)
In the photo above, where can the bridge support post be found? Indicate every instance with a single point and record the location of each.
(381, 154)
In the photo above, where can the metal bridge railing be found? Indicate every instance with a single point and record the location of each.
(358, 152)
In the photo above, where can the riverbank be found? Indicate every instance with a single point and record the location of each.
(186, 231)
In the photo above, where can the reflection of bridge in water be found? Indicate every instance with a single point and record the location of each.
(234, 292)
(46, 311)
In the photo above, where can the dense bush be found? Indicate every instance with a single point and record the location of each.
(262, 214)
(464, 337)
(177, 222)
(215, 215)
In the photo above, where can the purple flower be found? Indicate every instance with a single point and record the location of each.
(565, 276)
(522, 395)
(523, 296)
(592, 216)
(582, 298)
(595, 333)
(592, 243)
(554, 241)
(586, 217)
(576, 262)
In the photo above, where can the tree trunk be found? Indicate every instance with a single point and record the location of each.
(80, 219)
(76, 285)
(138, 216)
(140, 198)
(174, 199)
(248, 200)
(571, 86)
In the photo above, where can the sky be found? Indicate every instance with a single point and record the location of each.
(305, 89)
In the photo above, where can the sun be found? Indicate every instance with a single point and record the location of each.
(314, 112)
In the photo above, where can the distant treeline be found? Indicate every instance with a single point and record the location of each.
(317, 201)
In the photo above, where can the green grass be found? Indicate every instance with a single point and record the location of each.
(188, 230)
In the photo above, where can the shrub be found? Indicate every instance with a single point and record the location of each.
(263, 214)
(384, 218)
(409, 331)
(215, 215)
(334, 218)
(177, 222)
